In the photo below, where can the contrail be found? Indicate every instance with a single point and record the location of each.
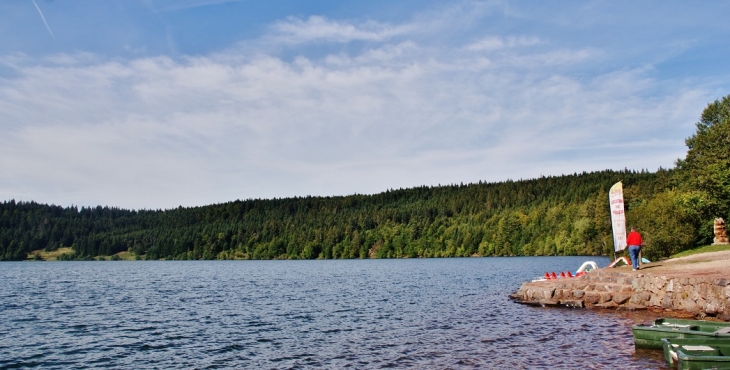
(44, 19)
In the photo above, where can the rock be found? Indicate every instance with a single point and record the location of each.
(645, 296)
(636, 298)
(566, 293)
(670, 286)
(548, 302)
(604, 297)
(621, 297)
(591, 297)
(712, 308)
(610, 304)
(701, 303)
(695, 296)
(545, 293)
(578, 293)
(530, 303)
(656, 299)
(667, 301)
(575, 303)
(701, 291)
(724, 316)
(690, 306)
(717, 291)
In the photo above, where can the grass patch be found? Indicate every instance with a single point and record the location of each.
(126, 256)
(705, 249)
(53, 255)
(50, 256)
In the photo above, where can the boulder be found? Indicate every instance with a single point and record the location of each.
(701, 303)
(670, 286)
(548, 302)
(659, 283)
(592, 297)
(690, 306)
(636, 298)
(712, 308)
(667, 301)
(702, 290)
(610, 304)
(604, 297)
(656, 299)
(621, 297)
(645, 296)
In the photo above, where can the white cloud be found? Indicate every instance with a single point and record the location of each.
(159, 132)
(319, 28)
(499, 42)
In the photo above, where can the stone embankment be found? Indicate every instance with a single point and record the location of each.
(674, 288)
(605, 289)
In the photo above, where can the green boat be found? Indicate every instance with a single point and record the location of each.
(697, 347)
(650, 336)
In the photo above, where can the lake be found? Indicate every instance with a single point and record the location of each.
(360, 314)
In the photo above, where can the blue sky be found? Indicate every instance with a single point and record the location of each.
(155, 104)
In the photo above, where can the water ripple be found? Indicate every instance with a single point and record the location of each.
(440, 313)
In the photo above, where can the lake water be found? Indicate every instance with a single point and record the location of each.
(361, 314)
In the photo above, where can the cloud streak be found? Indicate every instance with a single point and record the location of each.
(44, 19)
(318, 28)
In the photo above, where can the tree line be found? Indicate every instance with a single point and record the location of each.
(554, 215)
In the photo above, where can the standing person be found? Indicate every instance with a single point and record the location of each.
(634, 241)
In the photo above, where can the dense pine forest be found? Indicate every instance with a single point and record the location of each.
(562, 215)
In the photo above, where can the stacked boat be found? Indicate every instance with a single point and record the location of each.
(687, 344)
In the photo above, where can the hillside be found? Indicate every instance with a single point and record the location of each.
(565, 215)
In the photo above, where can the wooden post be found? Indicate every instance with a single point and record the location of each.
(640, 248)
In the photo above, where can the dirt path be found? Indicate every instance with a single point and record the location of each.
(712, 264)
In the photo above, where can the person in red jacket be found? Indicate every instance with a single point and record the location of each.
(634, 241)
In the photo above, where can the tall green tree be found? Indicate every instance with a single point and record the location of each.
(705, 172)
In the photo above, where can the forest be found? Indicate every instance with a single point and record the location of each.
(673, 208)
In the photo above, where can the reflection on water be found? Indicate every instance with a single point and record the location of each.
(420, 313)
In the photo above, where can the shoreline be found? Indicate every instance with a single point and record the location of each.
(693, 286)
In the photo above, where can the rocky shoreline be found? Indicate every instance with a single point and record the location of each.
(697, 286)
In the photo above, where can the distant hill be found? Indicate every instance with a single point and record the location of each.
(563, 215)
